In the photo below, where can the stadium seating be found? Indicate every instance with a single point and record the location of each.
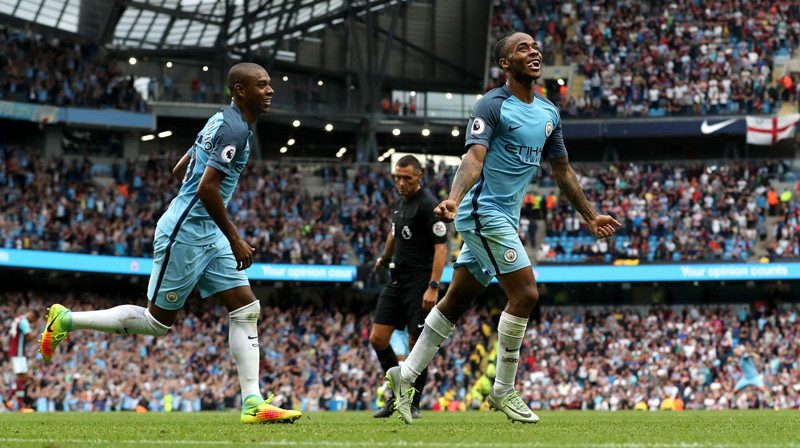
(63, 71)
(671, 213)
(319, 359)
(654, 59)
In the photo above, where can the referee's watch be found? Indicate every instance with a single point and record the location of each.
(433, 284)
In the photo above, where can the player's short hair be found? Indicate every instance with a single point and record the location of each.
(500, 47)
(240, 74)
(35, 313)
(409, 160)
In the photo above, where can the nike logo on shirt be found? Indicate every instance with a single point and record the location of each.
(513, 128)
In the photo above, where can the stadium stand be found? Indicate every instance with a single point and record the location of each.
(684, 212)
(62, 71)
(670, 213)
(662, 58)
(318, 358)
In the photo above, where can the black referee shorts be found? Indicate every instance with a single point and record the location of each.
(400, 303)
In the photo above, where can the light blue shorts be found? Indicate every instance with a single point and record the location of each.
(492, 250)
(757, 381)
(178, 267)
(399, 342)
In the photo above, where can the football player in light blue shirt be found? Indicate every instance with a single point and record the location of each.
(196, 244)
(750, 375)
(511, 131)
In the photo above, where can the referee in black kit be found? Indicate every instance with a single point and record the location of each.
(418, 244)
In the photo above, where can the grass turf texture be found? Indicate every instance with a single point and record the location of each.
(359, 429)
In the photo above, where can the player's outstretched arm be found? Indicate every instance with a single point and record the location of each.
(468, 173)
(601, 226)
(210, 196)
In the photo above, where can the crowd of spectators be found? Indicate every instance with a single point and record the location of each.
(78, 206)
(675, 57)
(693, 212)
(686, 212)
(62, 71)
(319, 358)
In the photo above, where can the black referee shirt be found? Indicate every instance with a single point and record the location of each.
(415, 230)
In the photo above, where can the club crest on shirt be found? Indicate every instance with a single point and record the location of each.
(478, 126)
(406, 233)
(510, 255)
(548, 129)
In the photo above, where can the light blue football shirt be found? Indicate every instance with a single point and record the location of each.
(748, 366)
(516, 135)
(222, 144)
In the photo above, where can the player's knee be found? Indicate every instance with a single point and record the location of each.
(248, 313)
(528, 296)
(155, 327)
(378, 342)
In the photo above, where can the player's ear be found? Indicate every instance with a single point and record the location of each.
(504, 64)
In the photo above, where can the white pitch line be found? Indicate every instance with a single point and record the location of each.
(396, 443)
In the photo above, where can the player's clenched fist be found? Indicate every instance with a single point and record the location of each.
(446, 210)
(603, 226)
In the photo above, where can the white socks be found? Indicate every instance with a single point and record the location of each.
(123, 319)
(132, 319)
(511, 331)
(243, 341)
(437, 329)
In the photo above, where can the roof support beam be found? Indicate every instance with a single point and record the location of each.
(177, 13)
(427, 53)
(327, 18)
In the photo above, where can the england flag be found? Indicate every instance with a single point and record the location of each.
(767, 131)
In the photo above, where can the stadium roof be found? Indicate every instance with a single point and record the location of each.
(239, 25)
(61, 14)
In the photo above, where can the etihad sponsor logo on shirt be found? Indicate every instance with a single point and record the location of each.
(527, 154)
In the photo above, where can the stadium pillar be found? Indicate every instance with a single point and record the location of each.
(366, 143)
(52, 141)
(130, 146)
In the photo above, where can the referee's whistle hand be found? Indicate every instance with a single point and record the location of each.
(446, 210)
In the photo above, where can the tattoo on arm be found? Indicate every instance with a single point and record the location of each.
(468, 173)
(568, 184)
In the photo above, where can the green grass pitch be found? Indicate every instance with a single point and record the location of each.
(358, 429)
